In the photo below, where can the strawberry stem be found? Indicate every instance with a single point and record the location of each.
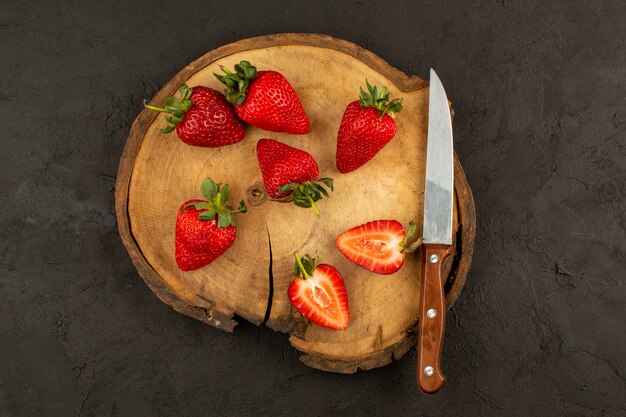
(315, 209)
(174, 106)
(218, 201)
(242, 208)
(304, 268)
(159, 109)
(413, 246)
(300, 268)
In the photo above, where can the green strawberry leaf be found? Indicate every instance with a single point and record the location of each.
(328, 182)
(288, 197)
(250, 71)
(287, 187)
(237, 82)
(304, 267)
(175, 107)
(224, 220)
(321, 190)
(172, 103)
(185, 91)
(306, 194)
(208, 188)
(301, 203)
(306, 263)
(209, 214)
(198, 205)
(225, 192)
(230, 83)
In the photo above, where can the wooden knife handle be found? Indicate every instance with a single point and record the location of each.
(432, 318)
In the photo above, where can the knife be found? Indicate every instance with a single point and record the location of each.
(437, 235)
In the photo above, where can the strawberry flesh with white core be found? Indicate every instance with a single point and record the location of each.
(378, 246)
(319, 293)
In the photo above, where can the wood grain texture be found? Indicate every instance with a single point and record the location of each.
(158, 172)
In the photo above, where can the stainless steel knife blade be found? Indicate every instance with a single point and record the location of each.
(437, 234)
(438, 194)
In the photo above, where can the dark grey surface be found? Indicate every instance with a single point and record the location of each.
(539, 93)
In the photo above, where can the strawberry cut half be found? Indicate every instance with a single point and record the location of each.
(378, 246)
(319, 293)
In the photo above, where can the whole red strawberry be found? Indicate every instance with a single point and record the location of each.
(366, 127)
(290, 174)
(378, 246)
(205, 229)
(202, 117)
(319, 293)
(264, 99)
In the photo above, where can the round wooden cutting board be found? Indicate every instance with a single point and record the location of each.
(158, 173)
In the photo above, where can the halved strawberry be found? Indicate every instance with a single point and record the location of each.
(318, 292)
(378, 246)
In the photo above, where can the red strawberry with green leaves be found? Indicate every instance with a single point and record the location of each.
(205, 229)
(319, 293)
(378, 246)
(366, 127)
(264, 99)
(291, 174)
(202, 117)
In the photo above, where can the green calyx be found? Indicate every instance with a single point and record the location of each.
(216, 196)
(174, 106)
(408, 248)
(304, 267)
(237, 82)
(378, 98)
(305, 194)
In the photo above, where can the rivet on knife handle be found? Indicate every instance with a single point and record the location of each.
(430, 379)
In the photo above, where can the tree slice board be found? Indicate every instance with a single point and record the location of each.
(158, 173)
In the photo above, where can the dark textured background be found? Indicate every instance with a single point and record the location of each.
(539, 92)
